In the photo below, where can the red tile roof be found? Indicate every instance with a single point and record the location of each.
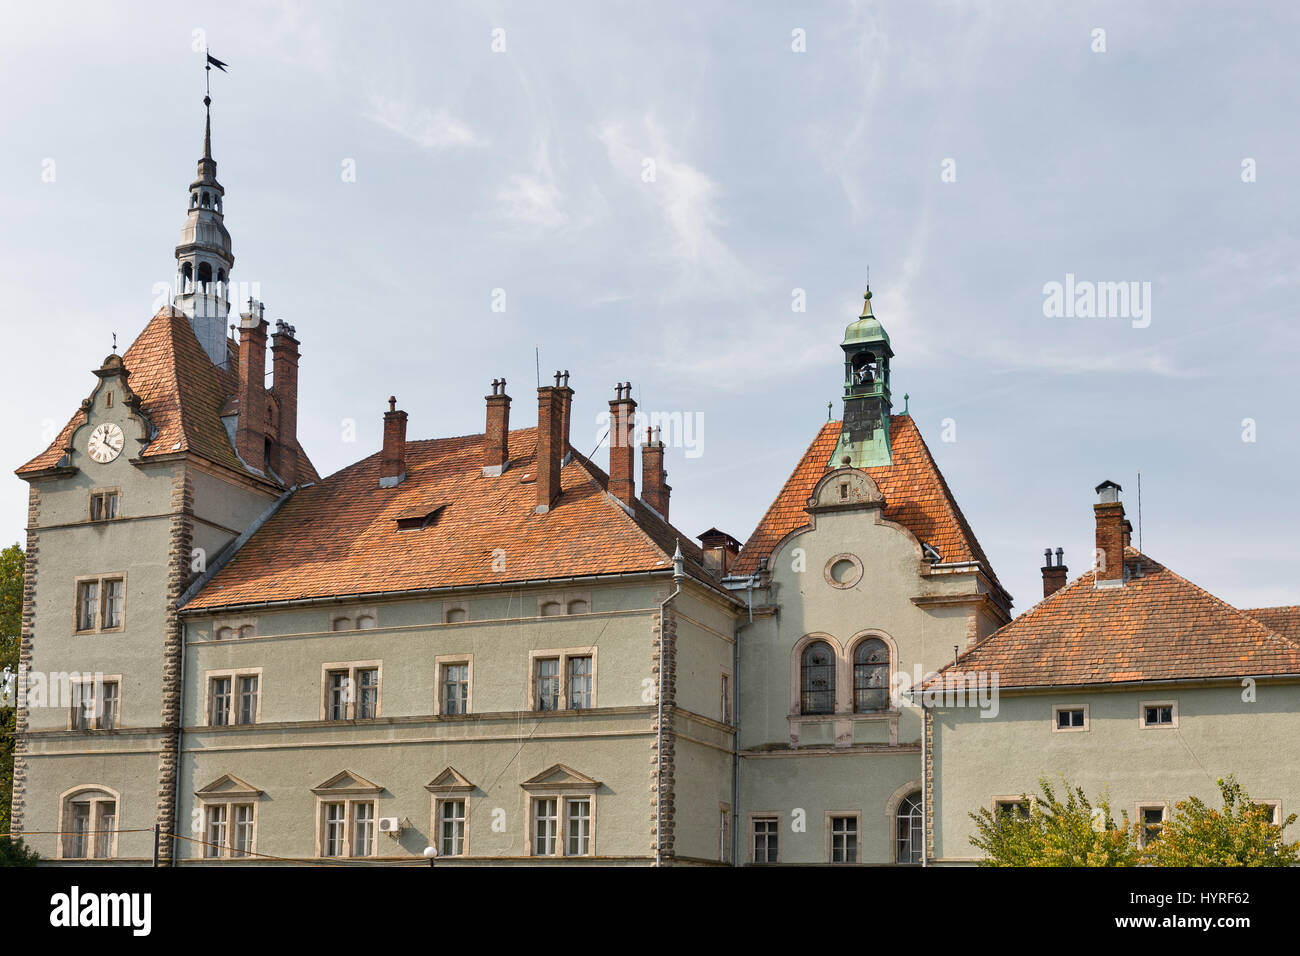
(181, 394)
(1158, 626)
(340, 536)
(916, 496)
(1283, 620)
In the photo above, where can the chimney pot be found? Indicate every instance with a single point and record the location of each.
(497, 433)
(1112, 534)
(1054, 575)
(655, 490)
(622, 411)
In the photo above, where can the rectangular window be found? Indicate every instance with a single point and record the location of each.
(216, 837)
(579, 683)
(94, 705)
(1160, 713)
(545, 824)
(114, 591)
(548, 683)
(451, 827)
(1017, 807)
(1152, 819)
(724, 703)
(220, 702)
(339, 695)
(766, 847)
(243, 842)
(724, 834)
(1071, 718)
(103, 506)
(455, 689)
(108, 707)
(578, 826)
(83, 706)
(87, 605)
(80, 843)
(363, 829)
(335, 828)
(105, 824)
(367, 693)
(844, 839)
(248, 699)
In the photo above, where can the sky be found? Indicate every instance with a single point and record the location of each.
(690, 197)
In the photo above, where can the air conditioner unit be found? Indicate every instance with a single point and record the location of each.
(390, 825)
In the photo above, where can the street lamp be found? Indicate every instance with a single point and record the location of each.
(431, 854)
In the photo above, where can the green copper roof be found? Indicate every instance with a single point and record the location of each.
(867, 328)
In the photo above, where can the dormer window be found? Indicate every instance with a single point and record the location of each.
(414, 519)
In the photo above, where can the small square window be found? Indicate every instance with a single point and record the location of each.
(1152, 819)
(103, 505)
(1070, 718)
(1160, 713)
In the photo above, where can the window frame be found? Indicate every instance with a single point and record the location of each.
(1173, 714)
(453, 786)
(895, 830)
(856, 817)
(1139, 810)
(764, 816)
(350, 705)
(440, 663)
(99, 580)
(725, 701)
(851, 661)
(97, 682)
(103, 494)
(439, 803)
(563, 792)
(831, 668)
(96, 794)
(235, 676)
(1058, 709)
(350, 802)
(563, 655)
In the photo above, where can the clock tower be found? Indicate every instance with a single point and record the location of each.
(203, 257)
(864, 436)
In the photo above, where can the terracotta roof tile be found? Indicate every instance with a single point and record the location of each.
(181, 392)
(1158, 626)
(916, 496)
(1283, 620)
(340, 536)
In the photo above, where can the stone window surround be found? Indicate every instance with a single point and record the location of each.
(563, 654)
(853, 580)
(753, 817)
(440, 794)
(1141, 805)
(230, 802)
(564, 599)
(90, 506)
(1142, 714)
(562, 793)
(444, 660)
(98, 794)
(351, 667)
(843, 674)
(856, 817)
(999, 800)
(74, 685)
(1058, 729)
(350, 803)
(1276, 806)
(892, 806)
(99, 602)
(450, 606)
(234, 674)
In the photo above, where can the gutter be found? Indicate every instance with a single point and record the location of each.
(735, 720)
(201, 581)
(679, 573)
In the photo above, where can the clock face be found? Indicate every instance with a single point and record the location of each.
(105, 443)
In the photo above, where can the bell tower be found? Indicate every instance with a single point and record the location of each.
(203, 257)
(864, 435)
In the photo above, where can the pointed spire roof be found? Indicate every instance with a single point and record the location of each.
(207, 127)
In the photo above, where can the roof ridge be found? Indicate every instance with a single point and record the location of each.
(771, 508)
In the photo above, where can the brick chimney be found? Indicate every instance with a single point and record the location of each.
(1054, 575)
(251, 432)
(622, 409)
(1112, 535)
(720, 550)
(566, 412)
(392, 462)
(549, 402)
(284, 352)
(655, 489)
(497, 434)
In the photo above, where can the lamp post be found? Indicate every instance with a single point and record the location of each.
(431, 854)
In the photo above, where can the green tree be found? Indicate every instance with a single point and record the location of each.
(12, 562)
(17, 853)
(1050, 832)
(1241, 833)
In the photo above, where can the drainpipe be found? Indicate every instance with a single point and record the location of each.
(679, 573)
(735, 721)
(925, 785)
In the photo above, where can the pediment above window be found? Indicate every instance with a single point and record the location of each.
(346, 782)
(561, 777)
(228, 785)
(449, 781)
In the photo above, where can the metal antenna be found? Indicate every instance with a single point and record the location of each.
(537, 359)
(1140, 512)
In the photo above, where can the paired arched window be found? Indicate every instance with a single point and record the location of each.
(910, 829)
(817, 679)
(89, 824)
(870, 675)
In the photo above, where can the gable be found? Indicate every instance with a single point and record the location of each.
(450, 780)
(228, 785)
(560, 777)
(346, 782)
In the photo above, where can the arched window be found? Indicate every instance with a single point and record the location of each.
(187, 277)
(871, 675)
(207, 200)
(365, 622)
(817, 679)
(221, 275)
(577, 606)
(194, 199)
(552, 608)
(89, 824)
(910, 826)
(205, 274)
(457, 615)
(341, 624)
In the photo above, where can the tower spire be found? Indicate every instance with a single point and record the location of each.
(865, 434)
(207, 128)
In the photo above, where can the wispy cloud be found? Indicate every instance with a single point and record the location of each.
(427, 128)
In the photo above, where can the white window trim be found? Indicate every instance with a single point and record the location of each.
(564, 654)
(99, 602)
(228, 850)
(65, 823)
(350, 802)
(234, 675)
(436, 829)
(98, 680)
(446, 660)
(562, 795)
(856, 816)
(754, 817)
(1057, 729)
(1142, 714)
(351, 667)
